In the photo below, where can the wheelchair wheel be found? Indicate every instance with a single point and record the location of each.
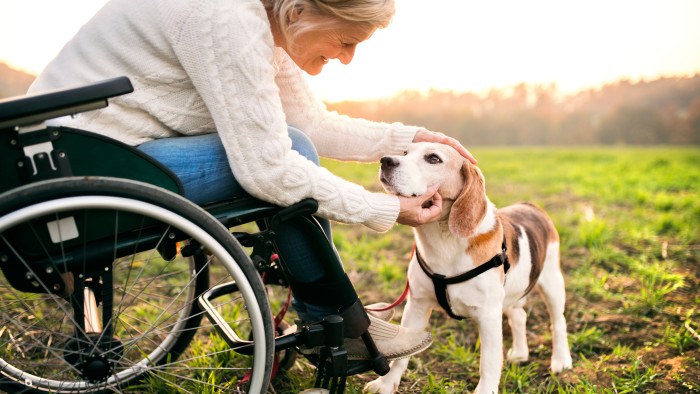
(99, 293)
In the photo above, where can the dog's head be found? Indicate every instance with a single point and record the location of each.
(428, 164)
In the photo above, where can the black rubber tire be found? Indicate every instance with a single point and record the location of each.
(66, 189)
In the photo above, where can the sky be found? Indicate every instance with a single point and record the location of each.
(460, 45)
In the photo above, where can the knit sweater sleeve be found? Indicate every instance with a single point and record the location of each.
(226, 48)
(334, 135)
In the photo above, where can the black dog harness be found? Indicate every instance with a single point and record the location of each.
(441, 281)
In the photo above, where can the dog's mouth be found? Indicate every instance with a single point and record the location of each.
(388, 183)
(384, 179)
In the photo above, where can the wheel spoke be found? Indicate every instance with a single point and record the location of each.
(147, 304)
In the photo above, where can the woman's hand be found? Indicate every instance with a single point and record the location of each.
(424, 135)
(415, 211)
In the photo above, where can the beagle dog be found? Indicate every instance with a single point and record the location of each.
(476, 261)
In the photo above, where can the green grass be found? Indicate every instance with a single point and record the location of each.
(629, 220)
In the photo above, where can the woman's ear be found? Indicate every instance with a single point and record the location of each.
(470, 206)
(295, 14)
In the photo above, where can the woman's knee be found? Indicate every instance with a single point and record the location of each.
(302, 144)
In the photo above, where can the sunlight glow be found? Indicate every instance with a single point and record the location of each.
(461, 45)
(476, 45)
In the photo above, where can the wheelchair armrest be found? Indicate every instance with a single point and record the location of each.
(234, 212)
(38, 108)
(241, 210)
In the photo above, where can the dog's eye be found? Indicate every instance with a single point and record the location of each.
(432, 158)
(405, 152)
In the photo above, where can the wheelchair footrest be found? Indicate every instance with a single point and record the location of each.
(218, 321)
(309, 335)
(324, 340)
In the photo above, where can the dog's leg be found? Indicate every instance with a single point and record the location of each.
(551, 284)
(415, 315)
(490, 320)
(517, 319)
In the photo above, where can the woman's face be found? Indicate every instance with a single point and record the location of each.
(314, 48)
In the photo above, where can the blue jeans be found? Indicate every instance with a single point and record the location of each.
(201, 164)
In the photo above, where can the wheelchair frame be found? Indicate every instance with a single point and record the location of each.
(107, 271)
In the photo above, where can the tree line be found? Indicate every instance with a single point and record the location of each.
(661, 111)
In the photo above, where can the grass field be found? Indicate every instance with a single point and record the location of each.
(629, 220)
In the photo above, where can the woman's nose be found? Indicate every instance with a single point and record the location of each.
(346, 55)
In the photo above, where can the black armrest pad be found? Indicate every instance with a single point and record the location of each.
(37, 108)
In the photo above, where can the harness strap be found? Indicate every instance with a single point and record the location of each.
(441, 281)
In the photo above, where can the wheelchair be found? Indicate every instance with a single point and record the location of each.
(111, 281)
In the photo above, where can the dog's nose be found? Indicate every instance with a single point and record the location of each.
(389, 162)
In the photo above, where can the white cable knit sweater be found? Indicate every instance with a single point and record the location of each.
(200, 66)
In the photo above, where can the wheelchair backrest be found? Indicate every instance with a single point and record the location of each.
(78, 153)
(30, 151)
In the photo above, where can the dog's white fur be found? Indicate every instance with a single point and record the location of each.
(470, 232)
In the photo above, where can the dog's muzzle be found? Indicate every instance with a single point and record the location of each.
(388, 166)
(389, 163)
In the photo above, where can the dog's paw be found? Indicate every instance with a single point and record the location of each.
(482, 388)
(561, 363)
(517, 356)
(379, 386)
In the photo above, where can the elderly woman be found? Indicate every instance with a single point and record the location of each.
(220, 98)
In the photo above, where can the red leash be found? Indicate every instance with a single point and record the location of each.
(394, 304)
(401, 298)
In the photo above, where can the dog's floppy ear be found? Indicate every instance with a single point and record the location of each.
(470, 206)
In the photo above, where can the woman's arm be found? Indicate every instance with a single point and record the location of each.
(227, 50)
(341, 137)
(334, 135)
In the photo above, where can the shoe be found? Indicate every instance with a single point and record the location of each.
(393, 340)
(381, 315)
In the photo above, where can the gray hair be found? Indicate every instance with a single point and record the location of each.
(363, 14)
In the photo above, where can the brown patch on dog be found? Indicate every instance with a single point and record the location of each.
(470, 206)
(484, 246)
(539, 229)
(512, 233)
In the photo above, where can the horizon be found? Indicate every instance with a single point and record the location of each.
(453, 45)
(559, 95)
